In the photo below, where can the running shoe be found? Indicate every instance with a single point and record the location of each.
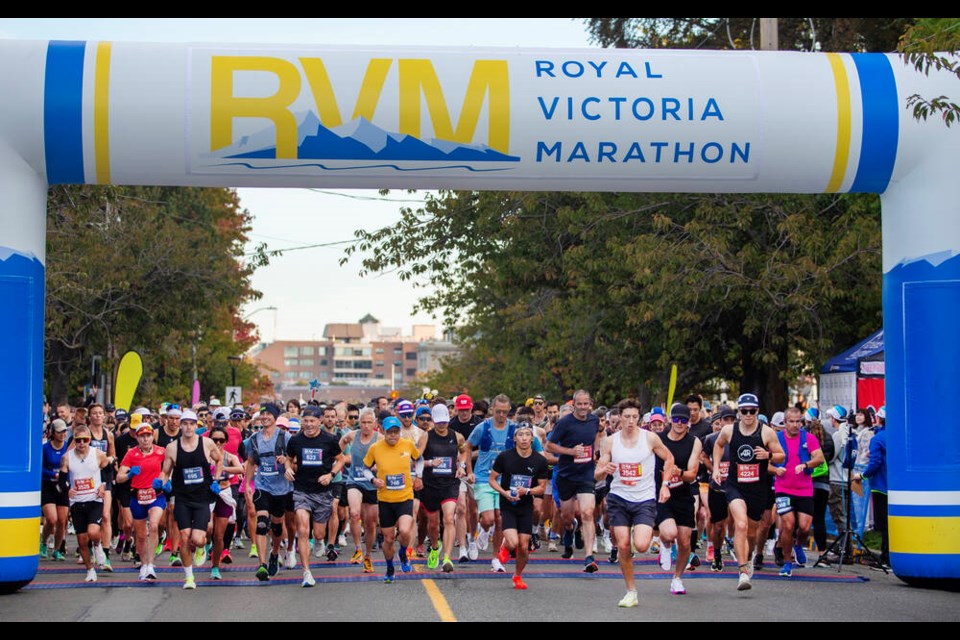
(120, 543)
(421, 552)
(59, 557)
(137, 562)
(567, 553)
(473, 551)
(91, 575)
(710, 554)
(105, 565)
(590, 566)
(552, 546)
(116, 544)
(159, 550)
(534, 542)
(496, 566)
(175, 560)
(237, 543)
(578, 538)
(464, 557)
(308, 580)
(143, 574)
(388, 577)
(263, 574)
(127, 555)
(483, 539)
(758, 562)
(291, 560)
(693, 562)
(519, 584)
(503, 555)
(215, 574)
(801, 555)
(273, 567)
(655, 547)
(750, 569)
(673, 553)
(676, 587)
(151, 572)
(614, 556)
(787, 570)
(357, 557)
(717, 565)
(367, 565)
(99, 556)
(342, 540)
(447, 565)
(43, 550)
(225, 557)
(665, 563)
(607, 543)
(332, 554)
(433, 558)
(743, 582)
(778, 556)
(253, 551)
(728, 545)
(189, 583)
(199, 556)
(629, 600)
(405, 565)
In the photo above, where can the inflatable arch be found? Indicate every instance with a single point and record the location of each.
(510, 119)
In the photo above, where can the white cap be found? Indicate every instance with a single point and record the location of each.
(778, 419)
(440, 413)
(142, 411)
(187, 414)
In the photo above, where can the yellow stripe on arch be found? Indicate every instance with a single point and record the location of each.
(19, 537)
(925, 535)
(101, 113)
(844, 123)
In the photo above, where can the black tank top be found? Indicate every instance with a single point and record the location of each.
(747, 473)
(103, 444)
(682, 450)
(191, 475)
(444, 448)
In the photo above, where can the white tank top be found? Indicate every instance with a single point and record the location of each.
(84, 476)
(635, 477)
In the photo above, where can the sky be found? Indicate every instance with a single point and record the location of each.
(291, 218)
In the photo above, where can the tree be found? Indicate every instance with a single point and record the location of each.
(933, 43)
(156, 269)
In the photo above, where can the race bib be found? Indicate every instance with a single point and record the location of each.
(193, 475)
(146, 496)
(783, 505)
(396, 482)
(444, 467)
(519, 481)
(99, 444)
(676, 480)
(360, 473)
(747, 473)
(268, 467)
(311, 457)
(724, 469)
(587, 455)
(630, 473)
(83, 485)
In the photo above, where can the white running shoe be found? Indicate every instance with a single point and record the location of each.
(151, 572)
(744, 582)
(342, 539)
(291, 561)
(496, 566)
(483, 539)
(629, 600)
(308, 580)
(143, 573)
(200, 556)
(91, 575)
(750, 566)
(664, 557)
(99, 556)
(607, 543)
(676, 587)
(472, 552)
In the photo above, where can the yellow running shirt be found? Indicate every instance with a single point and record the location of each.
(393, 467)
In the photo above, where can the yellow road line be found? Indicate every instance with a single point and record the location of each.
(439, 602)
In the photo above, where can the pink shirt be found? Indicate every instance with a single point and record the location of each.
(792, 484)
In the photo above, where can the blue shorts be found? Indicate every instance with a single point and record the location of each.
(141, 511)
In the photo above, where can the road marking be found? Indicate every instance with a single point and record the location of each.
(439, 602)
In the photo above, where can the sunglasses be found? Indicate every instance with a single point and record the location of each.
(353, 417)
(81, 440)
(424, 418)
(680, 420)
(218, 440)
(749, 412)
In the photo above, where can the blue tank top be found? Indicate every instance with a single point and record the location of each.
(358, 471)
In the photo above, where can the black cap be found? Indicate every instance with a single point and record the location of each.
(679, 410)
(109, 408)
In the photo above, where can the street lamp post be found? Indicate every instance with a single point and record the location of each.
(233, 369)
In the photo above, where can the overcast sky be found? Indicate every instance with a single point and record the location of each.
(290, 218)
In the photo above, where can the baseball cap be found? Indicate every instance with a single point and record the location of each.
(424, 411)
(441, 413)
(391, 423)
(238, 414)
(141, 411)
(837, 412)
(463, 402)
(778, 419)
(523, 425)
(221, 414)
(764, 419)
(882, 412)
(294, 425)
(187, 414)
(214, 402)
(748, 400)
(283, 423)
(121, 415)
(135, 420)
(270, 408)
(311, 411)
(59, 425)
(404, 407)
(726, 412)
(109, 408)
(173, 411)
(679, 410)
(812, 414)
(657, 415)
(144, 427)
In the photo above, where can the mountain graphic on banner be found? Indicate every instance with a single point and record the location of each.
(360, 139)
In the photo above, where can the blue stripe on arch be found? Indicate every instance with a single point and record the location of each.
(921, 565)
(881, 123)
(19, 513)
(19, 569)
(63, 112)
(924, 511)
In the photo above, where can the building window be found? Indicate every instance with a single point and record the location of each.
(398, 351)
(379, 351)
(411, 373)
(411, 355)
(379, 376)
(275, 375)
(291, 362)
(379, 363)
(398, 363)
(306, 351)
(306, 362)
(290, 375)
(290, 352)
(323, 362)
(322, 376)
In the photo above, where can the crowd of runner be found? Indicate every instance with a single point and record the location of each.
(445, 481)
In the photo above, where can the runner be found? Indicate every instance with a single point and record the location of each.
(80, 479)
(676, 517)
(266, 454)
(142, 467)
(124, 440)
(752, 447)
(631, 457)
(361, 494)
(225, 507)
(55, 504)
(717, 497)
(391, 457)
(190, 460)
(575, 439)
(312, 462)
(795, 487)
(524, 473)
(338, 489)
(102, 439)
(467, 516)
(169, 416)
(444, 464)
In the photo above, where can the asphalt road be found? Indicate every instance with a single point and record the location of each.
(558, 592)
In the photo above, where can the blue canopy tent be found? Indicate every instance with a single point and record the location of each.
(855, 378)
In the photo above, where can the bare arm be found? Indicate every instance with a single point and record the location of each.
(604, 466)
(660, 450)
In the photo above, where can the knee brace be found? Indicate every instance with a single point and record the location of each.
(263, 525)
(277, 529)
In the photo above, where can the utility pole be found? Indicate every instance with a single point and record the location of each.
(769, 40)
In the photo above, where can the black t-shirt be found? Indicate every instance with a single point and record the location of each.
(568, 433)
(708, 446)
(517, 471)
(124, 443)
(700, 431)
(464, 428)
(314, 458)
(163, 439)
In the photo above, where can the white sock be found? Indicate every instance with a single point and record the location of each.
(188, 572)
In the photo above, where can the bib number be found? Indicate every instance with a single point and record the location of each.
(311, 457)
(587, 455)
(193, 475)
(630, 473)
(783, 505)
(146, 496)
(83, 485)
(444, 467)
(99, 444)
(268, 467)
(724, 470)
(519, 481)
(676, 480)
(396, 482)
(748, 473)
